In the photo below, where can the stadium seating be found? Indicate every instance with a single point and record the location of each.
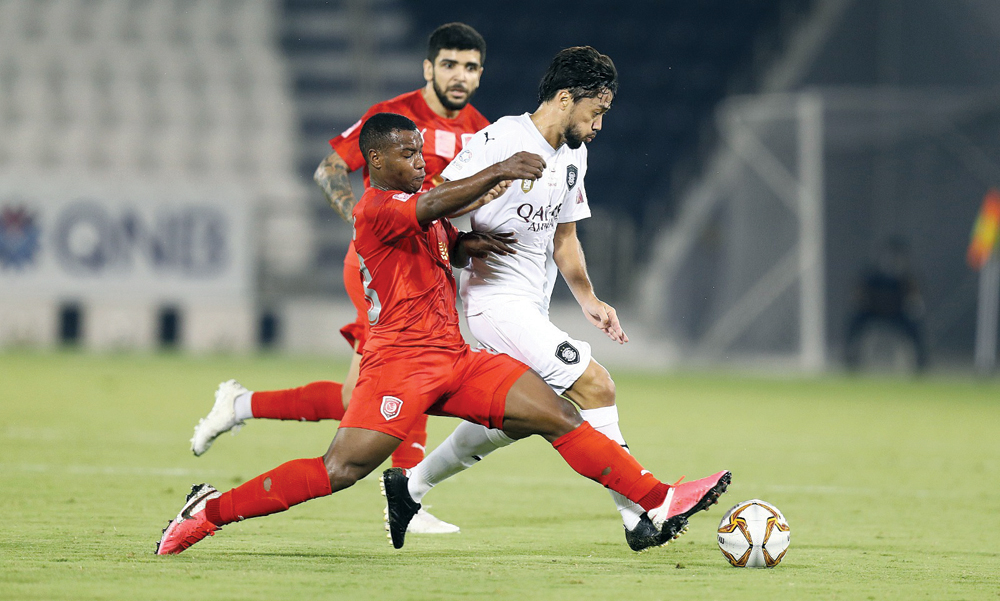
(175, 88)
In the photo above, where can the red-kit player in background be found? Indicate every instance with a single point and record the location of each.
(406, 249)
(441, 110)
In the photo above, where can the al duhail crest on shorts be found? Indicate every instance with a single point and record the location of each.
(391, 407)
(571, 173)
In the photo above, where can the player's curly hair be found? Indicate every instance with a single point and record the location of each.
(455, 36)
(585, 72)
(377, 131)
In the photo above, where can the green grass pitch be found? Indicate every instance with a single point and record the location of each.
(890, 487)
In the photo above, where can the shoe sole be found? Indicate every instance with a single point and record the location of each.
(385, 510)
(677, 524)
(385, 513)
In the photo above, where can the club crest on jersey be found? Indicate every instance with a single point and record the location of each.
(526, 185)
(443, 249)
(391, 406)
(571, 173)
(567, 353)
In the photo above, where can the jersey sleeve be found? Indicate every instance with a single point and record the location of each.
(576, 206)
(479, 153)
(392, 217)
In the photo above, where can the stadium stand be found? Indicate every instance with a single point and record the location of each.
(100, 98)
(182, 88)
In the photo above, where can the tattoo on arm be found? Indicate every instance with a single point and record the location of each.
(331, 177)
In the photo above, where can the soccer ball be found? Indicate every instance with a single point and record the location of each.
(754, 534)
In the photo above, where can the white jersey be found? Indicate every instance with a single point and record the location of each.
(529, 209)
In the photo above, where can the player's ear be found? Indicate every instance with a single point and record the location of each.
(374, 158)
(428, 70)
(565, 99)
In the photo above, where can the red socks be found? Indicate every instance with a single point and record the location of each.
(410, 452)
(309, 403)
(271, 492)
(599, 458)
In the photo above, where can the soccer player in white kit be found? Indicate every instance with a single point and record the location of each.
(506, 298)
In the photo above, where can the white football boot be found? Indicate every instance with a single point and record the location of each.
(426, 523)
(221, 419)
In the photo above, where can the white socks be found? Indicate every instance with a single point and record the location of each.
(605, 421)
(242, 407)
(471, 442)
(462, 449)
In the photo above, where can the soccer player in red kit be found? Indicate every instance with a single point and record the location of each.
(417, 362)
(442, 112)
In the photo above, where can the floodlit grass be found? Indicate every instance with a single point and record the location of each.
(890, 488)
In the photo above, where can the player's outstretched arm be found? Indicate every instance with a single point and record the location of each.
(452, 196)
(331, 177)
(494, 193)
(568, 255)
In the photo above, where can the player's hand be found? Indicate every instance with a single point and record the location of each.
(495, 192)
(605, 317)
(479, 245)
(523, 165)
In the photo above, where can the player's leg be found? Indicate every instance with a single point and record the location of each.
(594, 393)
(352, 455)
(525, 333)
(372, 428)
(499, 392)
(234, 404)
(352, 377)
(529, 410)
(514, 331)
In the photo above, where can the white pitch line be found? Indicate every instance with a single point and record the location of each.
(107, 470)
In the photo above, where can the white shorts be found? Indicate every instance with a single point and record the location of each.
(522, 331)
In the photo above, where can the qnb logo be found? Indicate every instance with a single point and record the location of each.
(540, 218)
(19, 234)
(189, 241)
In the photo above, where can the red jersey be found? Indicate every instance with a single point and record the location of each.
(406, 273)
(443, 138)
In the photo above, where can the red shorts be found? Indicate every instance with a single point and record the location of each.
(397, 385)
(356, 332)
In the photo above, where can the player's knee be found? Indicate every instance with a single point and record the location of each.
(343, 474)
(594, 389)
(604, 389)
(562, 419)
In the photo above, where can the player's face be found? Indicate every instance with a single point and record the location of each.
(586, 119)
(403, 162)
(454, 75)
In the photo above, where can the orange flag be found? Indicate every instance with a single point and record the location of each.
(986, 231)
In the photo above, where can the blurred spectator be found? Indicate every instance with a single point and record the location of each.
(888, 301)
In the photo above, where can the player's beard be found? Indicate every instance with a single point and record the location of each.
(573, 139)
(446, 102)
